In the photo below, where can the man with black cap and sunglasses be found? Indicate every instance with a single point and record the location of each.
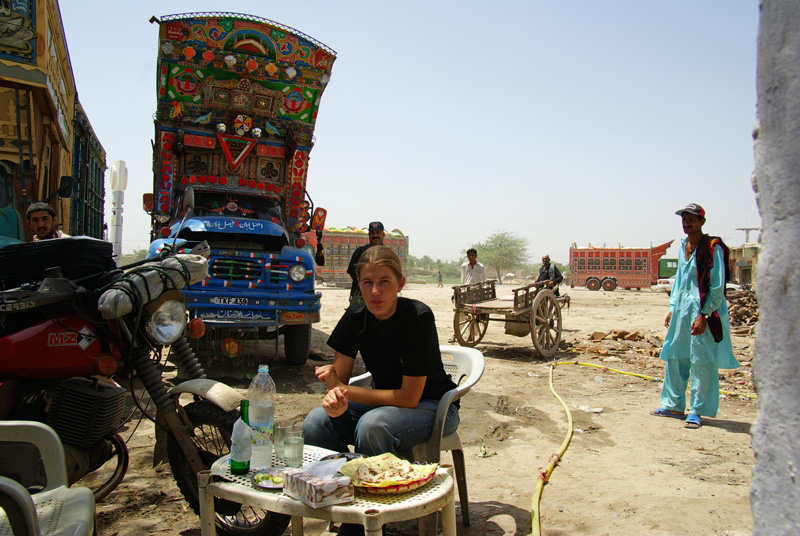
(376, 236)
(698, 340)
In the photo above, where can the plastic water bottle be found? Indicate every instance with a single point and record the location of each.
(261, 396)
(241, 442)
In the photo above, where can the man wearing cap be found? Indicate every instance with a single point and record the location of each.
(376, 236)
(698, 339)
(41, 220)
(549, 273)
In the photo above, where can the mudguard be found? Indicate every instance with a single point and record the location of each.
(221, 395)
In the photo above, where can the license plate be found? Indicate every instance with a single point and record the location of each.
(229, 301)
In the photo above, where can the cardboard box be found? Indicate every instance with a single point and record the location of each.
(315, 491)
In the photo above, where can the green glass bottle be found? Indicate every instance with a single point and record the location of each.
(241, 442)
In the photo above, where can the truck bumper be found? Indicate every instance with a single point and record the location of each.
(240, 309)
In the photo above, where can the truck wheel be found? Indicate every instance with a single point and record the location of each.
(609, 285)
(593, 283)
(296, 343)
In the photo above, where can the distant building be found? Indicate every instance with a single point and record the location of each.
(743, 262)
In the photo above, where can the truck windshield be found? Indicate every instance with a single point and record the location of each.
(222, 204)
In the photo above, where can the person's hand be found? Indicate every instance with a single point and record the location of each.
(335, 402)
(327, 374)
(667, 320)
(699, 325)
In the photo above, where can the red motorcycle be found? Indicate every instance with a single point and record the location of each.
(71, 328)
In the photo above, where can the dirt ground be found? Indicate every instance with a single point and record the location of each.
(624, 471)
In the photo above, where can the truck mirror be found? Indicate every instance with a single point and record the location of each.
(188, 200)
(147, 202)
(65, 187)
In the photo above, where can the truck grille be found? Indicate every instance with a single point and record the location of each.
(235, 269)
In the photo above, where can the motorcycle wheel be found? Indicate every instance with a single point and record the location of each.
(211, 434)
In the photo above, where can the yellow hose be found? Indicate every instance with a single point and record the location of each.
(544, 476)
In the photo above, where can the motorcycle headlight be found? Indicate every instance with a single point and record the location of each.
(297, 273)
(166, 325)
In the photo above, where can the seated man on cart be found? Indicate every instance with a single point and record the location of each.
(549, 273)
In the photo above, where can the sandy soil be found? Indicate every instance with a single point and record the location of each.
(624, 471)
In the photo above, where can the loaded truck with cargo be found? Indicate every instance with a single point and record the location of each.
(338, 245)
(237, 103)
(610, 268)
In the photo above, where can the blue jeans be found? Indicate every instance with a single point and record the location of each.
(373, 431)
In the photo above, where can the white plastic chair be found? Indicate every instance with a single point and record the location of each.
(57, 509)
(465, 367)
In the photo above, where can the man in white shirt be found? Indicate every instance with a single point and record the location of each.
(471, 272)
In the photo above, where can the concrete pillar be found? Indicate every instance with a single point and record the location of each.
(775, 492)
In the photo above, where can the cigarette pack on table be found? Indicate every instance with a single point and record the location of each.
(318, 484)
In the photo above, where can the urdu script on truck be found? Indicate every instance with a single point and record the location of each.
(238, 98)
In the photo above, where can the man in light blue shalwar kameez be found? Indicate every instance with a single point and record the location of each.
(689, 344)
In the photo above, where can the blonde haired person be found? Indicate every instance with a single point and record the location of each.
(398, 342)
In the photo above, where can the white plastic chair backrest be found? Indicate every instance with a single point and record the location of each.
(48, 443)
(464, 365)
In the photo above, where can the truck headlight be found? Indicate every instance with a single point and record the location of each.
(166, 325)
(297, 273)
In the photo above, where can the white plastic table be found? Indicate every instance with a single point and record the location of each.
(371, 511)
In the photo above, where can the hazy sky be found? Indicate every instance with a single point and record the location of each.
(584, 121)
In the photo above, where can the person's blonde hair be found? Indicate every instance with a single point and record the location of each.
(382, 256)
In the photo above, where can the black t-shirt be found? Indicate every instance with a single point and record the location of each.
(351, 268)
(404, 345)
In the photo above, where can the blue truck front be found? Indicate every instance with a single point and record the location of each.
(256, 284)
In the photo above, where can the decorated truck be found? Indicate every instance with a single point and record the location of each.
(338, 245)
(48, 149)
(609, 268)
(238, 98)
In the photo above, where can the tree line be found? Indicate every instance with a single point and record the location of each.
(501, 252)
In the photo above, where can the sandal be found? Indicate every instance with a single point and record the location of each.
(661, 412)
(692, 422)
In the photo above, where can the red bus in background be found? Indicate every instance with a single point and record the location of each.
(609, 268)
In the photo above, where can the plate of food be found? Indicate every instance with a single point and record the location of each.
(272, 479)
(346, 455)
(387, 474)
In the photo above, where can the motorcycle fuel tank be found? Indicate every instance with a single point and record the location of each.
(60, 347)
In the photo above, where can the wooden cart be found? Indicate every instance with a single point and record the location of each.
(533, 309)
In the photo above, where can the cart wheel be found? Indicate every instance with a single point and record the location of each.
(546, 323)
(609, 284)
(469, 327)
(593, 283)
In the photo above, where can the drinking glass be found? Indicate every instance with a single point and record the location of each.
(293, 440)
(278, 434)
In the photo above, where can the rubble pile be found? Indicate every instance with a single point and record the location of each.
(743, 310)
(634, 348)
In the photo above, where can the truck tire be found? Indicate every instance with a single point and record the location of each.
(296, 343)
(593, 283)
(609, 284)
